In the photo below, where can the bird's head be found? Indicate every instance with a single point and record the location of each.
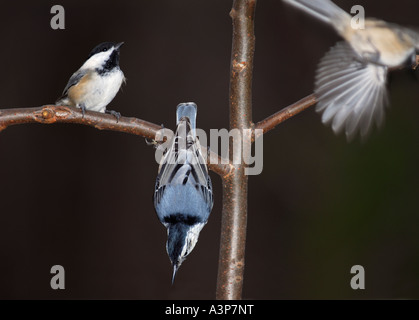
(104, 57)
(182, 236)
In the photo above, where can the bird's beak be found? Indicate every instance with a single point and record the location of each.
(175, 269)
(118, 45)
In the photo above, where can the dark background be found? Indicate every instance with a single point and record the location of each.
(81, 198)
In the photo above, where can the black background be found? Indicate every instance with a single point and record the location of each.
(81, 198)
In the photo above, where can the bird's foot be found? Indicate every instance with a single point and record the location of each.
(116, 114)
(154, 142)
(83, 110)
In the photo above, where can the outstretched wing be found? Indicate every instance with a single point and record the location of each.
(351, 93)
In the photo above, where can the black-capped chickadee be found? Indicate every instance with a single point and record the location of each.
(183, 191)
(96, 83)
(351, 78)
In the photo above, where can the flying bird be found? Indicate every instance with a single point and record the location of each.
(351, 78)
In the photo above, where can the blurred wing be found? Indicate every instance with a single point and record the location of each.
(324, 10)
(184, 163)
(352, 94)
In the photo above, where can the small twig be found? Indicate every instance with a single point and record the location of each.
(272, 121)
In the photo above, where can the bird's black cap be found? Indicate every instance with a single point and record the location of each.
(105, 46)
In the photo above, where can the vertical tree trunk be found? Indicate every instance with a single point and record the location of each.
(234, 215)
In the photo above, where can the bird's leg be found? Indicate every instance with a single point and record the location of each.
(83, 109)
(116, 114)
(150, 142)
(153, 142)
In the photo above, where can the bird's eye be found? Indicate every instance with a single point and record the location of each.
(105, 49)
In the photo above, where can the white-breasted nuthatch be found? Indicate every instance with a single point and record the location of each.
(183, 192)
(351, 78)
(96, 83)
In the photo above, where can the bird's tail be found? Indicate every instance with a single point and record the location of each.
(63, 101)
(324, 10)
(187, 109)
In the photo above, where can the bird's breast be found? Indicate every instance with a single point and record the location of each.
(185, 199)
(96, 91)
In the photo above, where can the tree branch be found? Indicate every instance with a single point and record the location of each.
(234, 214)
(49, 114)
(272, 121)
(62, 114)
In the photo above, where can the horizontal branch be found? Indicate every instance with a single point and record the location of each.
(49, 114)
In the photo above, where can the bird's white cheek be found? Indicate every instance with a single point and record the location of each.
(96, 60)
(191, 239)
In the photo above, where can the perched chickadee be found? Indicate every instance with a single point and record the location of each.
(183, 192)
(96, 83)
(351, 78)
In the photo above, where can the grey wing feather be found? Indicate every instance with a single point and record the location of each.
(184, 163)
(324, 10)
(352, 94)
(74, 79)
